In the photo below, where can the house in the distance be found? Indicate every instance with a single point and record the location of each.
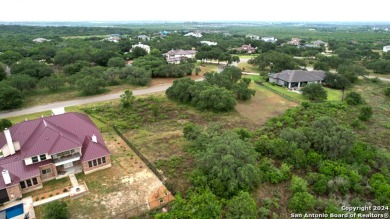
(252, 37)
(294, 41)
(386, 48)
(295, 79)
(145, 47)
(175, 56)
(48, 148)
(196, 34)
(143, 37)
(320, 43)
(40, 40)
(209, 43)
(113, 38)
(269, 39)
(246, 48)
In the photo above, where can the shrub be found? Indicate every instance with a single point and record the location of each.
(365, 113)
(353, 98)
(314, 92)
(387, 91)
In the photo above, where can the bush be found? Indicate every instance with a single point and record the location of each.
(5, 123)
(302, 202)
(56, 210)
(387, 91)
(353, 98)
(365, 113)
(314, 92)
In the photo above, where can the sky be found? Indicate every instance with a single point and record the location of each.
(195, 10)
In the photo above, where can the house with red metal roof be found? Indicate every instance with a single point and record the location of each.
(48, 148)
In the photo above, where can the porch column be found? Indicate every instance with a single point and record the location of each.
(289, 85)
(299, 84)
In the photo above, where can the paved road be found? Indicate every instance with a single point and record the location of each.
(382, 79)
(82, 101)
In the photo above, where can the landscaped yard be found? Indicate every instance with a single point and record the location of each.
(127, 185)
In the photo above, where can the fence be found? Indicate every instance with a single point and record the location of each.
(140, 155)
(277, 92)
(143, 209)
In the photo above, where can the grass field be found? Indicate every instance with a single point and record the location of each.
(248, 67)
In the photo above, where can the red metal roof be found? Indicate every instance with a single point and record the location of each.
(51, 135)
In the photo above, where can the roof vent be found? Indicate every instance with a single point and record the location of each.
(6, 176)
(94, 138)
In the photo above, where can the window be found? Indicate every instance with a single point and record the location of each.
(89, 163)
(94, 163)
(46, 171)
(104, 159)
(35, 181)
(29, 183)
(99, 161)
(42, 157)
(34, 159)
(23, 185)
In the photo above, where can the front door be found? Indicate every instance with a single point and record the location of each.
(67, 165)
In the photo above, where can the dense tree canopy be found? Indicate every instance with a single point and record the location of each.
(10, 97)
(33, 68)
(314, 92)
(276, 62)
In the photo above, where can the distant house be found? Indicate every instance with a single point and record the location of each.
(295, 79)
(269, 39)
(48, 148)
(40, 40)
(294, 41)
(145, 47)
(386, 48)
(113, 38)
(253, 37)
(175, 56)
(319, 43)
(246, 48)
(194, 34)
(209, 43)
(143, 37)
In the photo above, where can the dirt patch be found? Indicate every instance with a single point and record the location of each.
(160, 197)
(123, 189)
(263, 106)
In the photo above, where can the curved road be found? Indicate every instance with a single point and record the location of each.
(35, 109)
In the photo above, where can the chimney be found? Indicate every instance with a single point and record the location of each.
(10, 144)
(94, 138)
(6, 176)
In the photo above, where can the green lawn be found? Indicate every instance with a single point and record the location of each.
(248, 67)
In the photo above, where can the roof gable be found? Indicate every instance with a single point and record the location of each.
(299, 75)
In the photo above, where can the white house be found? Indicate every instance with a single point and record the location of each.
(269, 39)
(40, 40)
(386, 48)
(175, 56)
(194, 34)
(209, 43)
(145, 47)
(253, 37)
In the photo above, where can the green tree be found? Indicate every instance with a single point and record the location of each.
(298, 185)
(31, 67)
(127, 99)
(365, 113)
(241, 206)
(242, 91)
(314, 92)
(23, 82)
(229, 165)
(5, 123)
(275, 61)
(90, 85)
(199, 204)
(197, 70)
(73, 68)
(336, 81)
(138, 52)
(10, 57)
(56, 210)
(321, 66)
(136, 75)
(387, 91)
(52, 82)
(354, 98)
(351, 72)
(116, 62)
(10, 97)
(216, 99)
(3, 74)
(302, 202)
(381, 188)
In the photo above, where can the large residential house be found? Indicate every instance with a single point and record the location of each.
(319, 43)
(145, 47)
(295, 79)
(386, 48)
(48, 148)
(40, 40)
(113, 38)
(175, 56)
(194, 34)
(294, 41)
(143, 37)
(209, 43)
(253, 37)
(246, 48)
